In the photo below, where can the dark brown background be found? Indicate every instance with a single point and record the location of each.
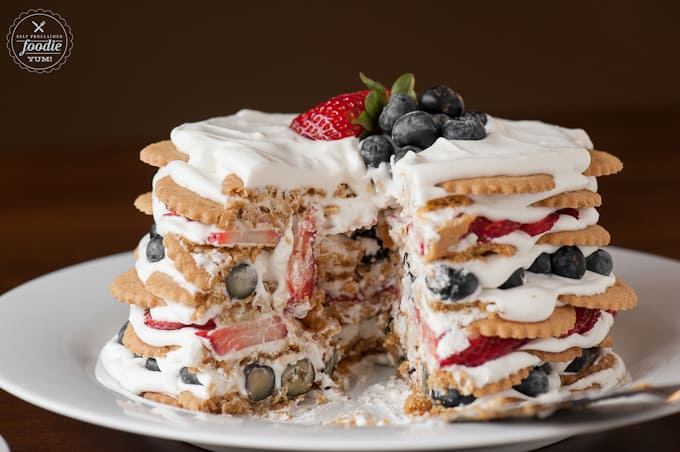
(69, 140)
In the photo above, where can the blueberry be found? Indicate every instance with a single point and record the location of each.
(450, 283)
(152, 365)
(188, 377)
(401, 152)
(375, 150)
(451, 398)
(481, 117)
(600, 262)
(121, 332)
(569, 262)
(259, 381)
(153, 233)
(578, 363)
(441, 99)
(416, 128)
(463, 128)
(388, 325)
(398, 105)
(439, 119)
(534, 384)
(541, 264)
(154, 249)
(516, 279)
(242, 281)
(298, 377)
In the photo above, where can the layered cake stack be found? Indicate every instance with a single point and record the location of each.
(286, 247)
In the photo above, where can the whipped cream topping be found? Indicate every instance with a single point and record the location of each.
(511, 148)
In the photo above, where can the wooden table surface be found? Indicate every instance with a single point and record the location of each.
(66, 204)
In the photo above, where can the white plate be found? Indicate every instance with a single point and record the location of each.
(51, 330)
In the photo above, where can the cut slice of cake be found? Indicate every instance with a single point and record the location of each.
(286, 247)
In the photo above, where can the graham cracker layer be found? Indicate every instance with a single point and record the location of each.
(450, 234)
(450, 201)
(571, 199)
(594, 235)
(187, 203)
(602, 362)
(558, 357)
(499, 185)
(128, 288)
(602, 164)
(143, 203)
(479, 251)
(163, 286)
(133, 343)
(161, 153)
(561, 321)
(185, 263)
(618, 297)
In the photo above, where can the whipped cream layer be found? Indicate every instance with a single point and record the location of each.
(511, 148)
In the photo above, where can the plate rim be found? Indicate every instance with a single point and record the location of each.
(234, 439)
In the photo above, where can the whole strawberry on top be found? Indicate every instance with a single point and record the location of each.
(392, 122)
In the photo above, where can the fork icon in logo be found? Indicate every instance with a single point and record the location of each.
(38, 27)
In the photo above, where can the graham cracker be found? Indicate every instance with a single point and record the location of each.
(451, 201)
(161, 153)
(187, 203)
(561, 321)
(571, 199)
(607, 342)
(232, 185)
(163, 286)
(599, 363)
(185, 263)
(594, 235)
(480, 251)
(161, 398)
(466, 386)
(499, 185)
(557, 357)
(450, 234)
(602, 164)
(143, 203)
(617, 297)
(128, 288)
(133, 343)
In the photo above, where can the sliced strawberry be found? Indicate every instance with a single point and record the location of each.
(267, 237)
(332, 119)
(481, 350)
(487, 229)
(541, 226)
(246, 334)
(165, 325)
(171, 214)
(585, 321)
(301, 264)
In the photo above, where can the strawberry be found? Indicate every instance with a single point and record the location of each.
(585, 321)
(267, 237)
(481, 350)
(333, 119)
(164, 325)
(546, 224)
(245, 334)
(352, 114)
(301, 264)
(487, 229)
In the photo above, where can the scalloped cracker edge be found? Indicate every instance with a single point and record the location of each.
(602, 164)
(499, 185)
(143, 203)
(128, 288)
(560, 321)
(618, 297)
(594, 235)
(578, 199)
(161, 153)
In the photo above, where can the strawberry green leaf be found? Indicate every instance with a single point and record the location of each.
(376, 87)
(373, 105)
(365, 121)
(405, 84)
